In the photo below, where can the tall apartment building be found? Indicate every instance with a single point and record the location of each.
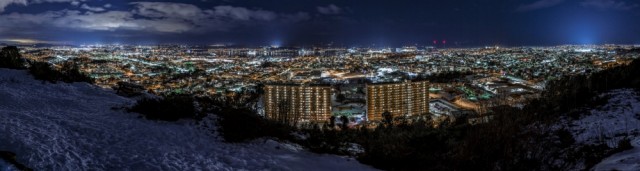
(400, 99)
(297, 103)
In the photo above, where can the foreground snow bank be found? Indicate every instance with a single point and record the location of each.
(4, 166)
(73, 127)
(626, 160)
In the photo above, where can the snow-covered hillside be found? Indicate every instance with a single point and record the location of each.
(608, 124)
(73, 127)
(611, 122)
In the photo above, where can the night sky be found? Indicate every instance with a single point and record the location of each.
(462, 23)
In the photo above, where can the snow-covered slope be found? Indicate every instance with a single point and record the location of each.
(608, 124)
(625, 161)
(73, 127)
(618, 119)
(611, 122)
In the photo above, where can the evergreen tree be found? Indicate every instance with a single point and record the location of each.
(345, 122)
(387, 117)
(10, 58)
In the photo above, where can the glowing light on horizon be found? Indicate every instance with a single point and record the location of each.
(276, 44)
(31, 41)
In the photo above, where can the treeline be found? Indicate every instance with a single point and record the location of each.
(68, 72)
(236, 121)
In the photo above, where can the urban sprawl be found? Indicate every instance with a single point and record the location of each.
(365, 85)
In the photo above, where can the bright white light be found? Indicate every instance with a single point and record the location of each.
(584, 50)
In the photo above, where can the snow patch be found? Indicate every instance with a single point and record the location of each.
(609, 123)
(4, 166)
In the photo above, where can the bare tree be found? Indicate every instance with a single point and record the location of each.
(286, 113)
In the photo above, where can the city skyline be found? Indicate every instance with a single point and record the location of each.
(319, 85)
(340, 23)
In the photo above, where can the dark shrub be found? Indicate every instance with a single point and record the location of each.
(69, 72)
(565, 137)
(240, 125)
(10, 58)
(624, 144)
(44, 71)
(169, 108)
(128, 89)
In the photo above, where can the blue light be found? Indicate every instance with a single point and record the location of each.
(276, 44)
(583, 31)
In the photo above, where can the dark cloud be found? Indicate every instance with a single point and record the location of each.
(168, 10)
(90, 8)
(5, 3)
(240, 13)
(609, 5)
(300, 16)
(329, 10)
(294, 22)
(539, 4)
(148, 16)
